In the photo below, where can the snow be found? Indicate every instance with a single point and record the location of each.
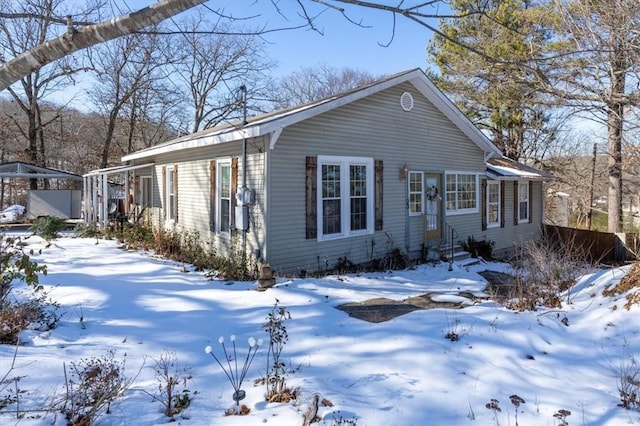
(402, 371)
(11, 213)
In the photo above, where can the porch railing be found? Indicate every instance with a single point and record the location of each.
(450, 235)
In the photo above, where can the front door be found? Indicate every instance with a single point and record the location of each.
(433, 206)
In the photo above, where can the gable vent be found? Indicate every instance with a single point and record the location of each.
(406, 101)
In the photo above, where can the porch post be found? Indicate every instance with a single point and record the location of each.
(105, 200)
(94, 202)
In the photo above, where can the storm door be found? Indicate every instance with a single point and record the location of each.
(433, 206)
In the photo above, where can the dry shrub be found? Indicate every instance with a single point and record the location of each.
(243, 411)
(91, 386)
(545, 269)
(170, 377)
(276, 374)
(36, 311)
(630, 284)
(628, 375)
(15, 317)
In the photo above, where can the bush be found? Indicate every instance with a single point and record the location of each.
(36, 312)
(16, 314)
(188, 247)
(91, 386)
(482, 248)
(544, 269)
(137, 236)
(276, 373)
(170, 376)
(88, 230)
(48, 227)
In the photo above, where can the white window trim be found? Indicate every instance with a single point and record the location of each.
(169, 188)
(526, 219)
(500, 201)
(456, 212)
(220, 163)
(422, 185)
(345, 205)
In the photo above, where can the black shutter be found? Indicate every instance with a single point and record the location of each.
(379, 169)
(483, 203)
(311, 203)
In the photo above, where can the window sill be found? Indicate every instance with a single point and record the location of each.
(333, 237)
(461, 212)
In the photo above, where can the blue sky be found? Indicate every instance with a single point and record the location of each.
(373, 46)
(340, 44)
(343, 43)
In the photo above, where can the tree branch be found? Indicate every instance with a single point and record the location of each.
(90, 35)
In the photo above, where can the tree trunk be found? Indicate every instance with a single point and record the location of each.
(113, 116)
(614, 129)
(615, 123)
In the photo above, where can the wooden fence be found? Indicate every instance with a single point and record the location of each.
(599, 246)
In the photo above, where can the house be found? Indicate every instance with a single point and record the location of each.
(392, 165)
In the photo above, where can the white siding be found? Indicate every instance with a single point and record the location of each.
(194, 193)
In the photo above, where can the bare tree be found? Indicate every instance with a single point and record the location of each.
(595, 69)
(312, 83)
(215, 65)
(573, 169)
(126, 69)
(88, 34)
(18, 35)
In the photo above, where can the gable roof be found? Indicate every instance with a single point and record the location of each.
(273, 123)
(504, 168)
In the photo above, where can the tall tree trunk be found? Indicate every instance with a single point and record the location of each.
(113, 116)
(615, 123)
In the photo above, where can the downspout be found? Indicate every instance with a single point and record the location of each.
(243, 88)
(243, 189)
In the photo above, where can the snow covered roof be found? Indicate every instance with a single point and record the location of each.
(507, 169)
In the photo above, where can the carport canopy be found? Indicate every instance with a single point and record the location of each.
(18, 169)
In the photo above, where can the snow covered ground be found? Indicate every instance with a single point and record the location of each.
(399, 372)
(11, 213)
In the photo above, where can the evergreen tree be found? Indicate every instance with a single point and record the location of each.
(484, 63)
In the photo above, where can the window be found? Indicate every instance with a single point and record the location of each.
(223, 201)
(461, 193)
(170, 186)
(523, 202)
(493, 204)
(346, 196)
(416, 180)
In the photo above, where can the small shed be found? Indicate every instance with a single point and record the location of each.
(64, 200)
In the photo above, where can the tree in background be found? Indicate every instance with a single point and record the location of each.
(482, 61)
(310, 84)
(25, 33)
(580, 173)
(216, 61)
(593, 68)
(128, 71)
